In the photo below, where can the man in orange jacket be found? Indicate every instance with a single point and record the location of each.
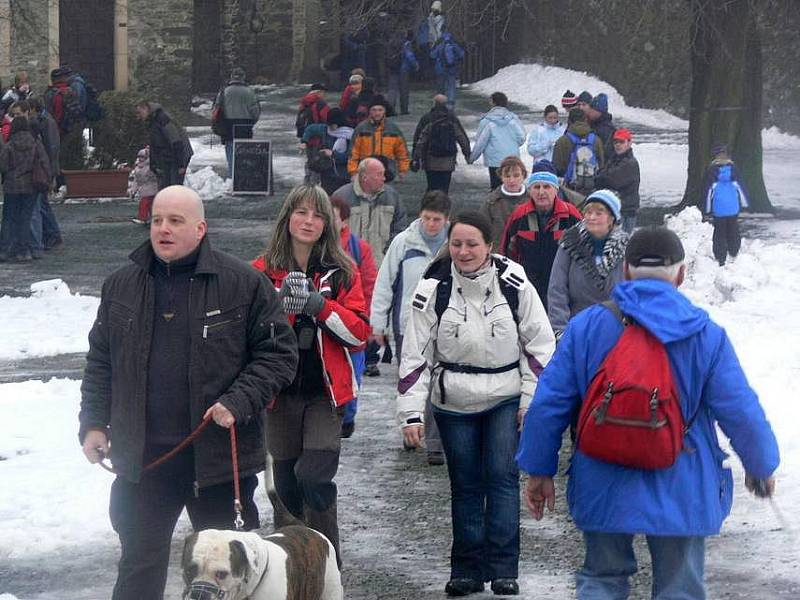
(376, 137)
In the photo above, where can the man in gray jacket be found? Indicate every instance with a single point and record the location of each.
(239, 110)
(183, 334)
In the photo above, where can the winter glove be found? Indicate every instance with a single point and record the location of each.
(315, 302)
(415, 165)
(294, 292)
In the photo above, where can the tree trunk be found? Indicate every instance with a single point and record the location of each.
(726, 96)
(305, 41)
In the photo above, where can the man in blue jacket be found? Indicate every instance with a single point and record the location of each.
(676, 507)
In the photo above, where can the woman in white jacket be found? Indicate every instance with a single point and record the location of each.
(476, 340)
(542, 138)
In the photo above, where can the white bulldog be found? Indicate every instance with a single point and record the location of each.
(294, 563)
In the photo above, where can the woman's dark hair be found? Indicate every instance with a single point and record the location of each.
(549, 109)
(35, 104)
(499, 99)
(474, 219)
(19, 124)
(436, 201)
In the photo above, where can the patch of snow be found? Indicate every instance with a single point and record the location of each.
(51, 321)
(773, 138)
(207, 183)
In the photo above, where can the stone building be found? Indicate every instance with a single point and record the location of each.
(167, 49)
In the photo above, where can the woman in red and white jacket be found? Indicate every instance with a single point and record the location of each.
(322, 296)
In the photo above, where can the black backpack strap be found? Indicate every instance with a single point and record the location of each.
(443, 290)
(614, 308)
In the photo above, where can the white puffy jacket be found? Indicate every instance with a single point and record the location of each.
(476, 329)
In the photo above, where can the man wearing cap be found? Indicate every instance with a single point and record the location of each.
(674, 507)
(569, 100)
(621, 174)
(377, 137)
(724, 198)
(534, 228)
(583, 101)
(239, 110)
(65, 99)
(578, 145)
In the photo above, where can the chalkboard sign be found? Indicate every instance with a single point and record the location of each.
(252, 167)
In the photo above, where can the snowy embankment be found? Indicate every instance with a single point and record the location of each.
(756, 298)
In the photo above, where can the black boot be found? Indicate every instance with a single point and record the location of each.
(505, 587)
(463, 586)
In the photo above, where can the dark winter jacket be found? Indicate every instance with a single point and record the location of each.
(422, 140)
(605, 128)
(621, 174)
(562, 151)
(169, 144)
(17, 158)
(48, 130)
(534, 248)
(242, 352)
(577, 279)
(498, 208)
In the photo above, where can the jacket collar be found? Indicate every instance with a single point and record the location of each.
(144, 256)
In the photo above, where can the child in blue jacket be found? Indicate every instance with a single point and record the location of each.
(724, 197)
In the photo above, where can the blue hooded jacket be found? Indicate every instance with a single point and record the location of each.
(725, 195)
(500, 134)
(691, 498)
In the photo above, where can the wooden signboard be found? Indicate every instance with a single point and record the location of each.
(252, 167)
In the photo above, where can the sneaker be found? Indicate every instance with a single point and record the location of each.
(505, 587)
(462, 586)
(139, 221)
(372, 371)
(37, 255)
(51, 244)
(435, 458)
(347, 429)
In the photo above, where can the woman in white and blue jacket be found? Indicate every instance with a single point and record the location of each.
(542, 138)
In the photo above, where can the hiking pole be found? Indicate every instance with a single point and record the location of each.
(760, 490)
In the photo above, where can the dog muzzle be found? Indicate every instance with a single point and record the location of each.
(202, 590)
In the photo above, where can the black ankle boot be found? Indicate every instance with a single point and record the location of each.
(463, 586)
(505, 587)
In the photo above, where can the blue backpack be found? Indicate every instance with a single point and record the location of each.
(355, 248)
(582, 166)
(453, 54)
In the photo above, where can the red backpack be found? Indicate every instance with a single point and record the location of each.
(631, 413)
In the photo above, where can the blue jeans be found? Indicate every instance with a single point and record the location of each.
(446, 84)
(351, 408)
(16, 235)
(678, 564)
(44, 226)
(484, 487)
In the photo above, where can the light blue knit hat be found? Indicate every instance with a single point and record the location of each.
(543, 177)
(609, 199)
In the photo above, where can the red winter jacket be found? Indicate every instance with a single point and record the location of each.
(366, 268)
(319, 108)
(536, 250)
(342, 323)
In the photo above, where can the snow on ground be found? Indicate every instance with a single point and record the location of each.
(207, 183)
(66, 318)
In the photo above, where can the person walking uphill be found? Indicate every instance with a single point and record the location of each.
(182, 334)
(477, 338)
(724, 198)
(578, 154)
(26, 174)
(500, 134)
(321, 292)
(434, 149)
(170, 149)
(237, 109)
(678, 497)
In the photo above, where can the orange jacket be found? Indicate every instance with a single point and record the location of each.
(385, 139)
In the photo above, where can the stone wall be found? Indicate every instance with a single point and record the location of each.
(160, 37)
(30, 48)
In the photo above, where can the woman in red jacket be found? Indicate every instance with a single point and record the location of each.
(322, 296)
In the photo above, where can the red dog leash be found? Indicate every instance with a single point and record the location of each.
(237, 499)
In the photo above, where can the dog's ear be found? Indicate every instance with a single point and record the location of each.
(240, 566)
(188, 565)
